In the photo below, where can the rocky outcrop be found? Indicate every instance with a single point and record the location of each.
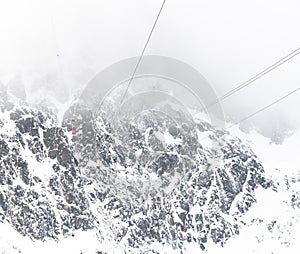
(154, 183)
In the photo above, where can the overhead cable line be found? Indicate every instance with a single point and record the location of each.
(143, 52)
(256, 77)
(259, 111)
(264, 108)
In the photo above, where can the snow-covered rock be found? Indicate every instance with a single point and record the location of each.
(149, 186)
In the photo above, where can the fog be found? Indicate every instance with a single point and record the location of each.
(60, 46)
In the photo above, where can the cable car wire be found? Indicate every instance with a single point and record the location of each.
(264, 108)
(259, 111)
(256, 77)
(143, 51)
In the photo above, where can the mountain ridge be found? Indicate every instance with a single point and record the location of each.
(53, 185)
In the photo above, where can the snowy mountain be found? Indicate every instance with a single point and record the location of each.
(155, 188)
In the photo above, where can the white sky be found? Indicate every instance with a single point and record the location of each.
(227, 41)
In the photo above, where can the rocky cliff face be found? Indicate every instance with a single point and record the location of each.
(41, 192)
(156, 185)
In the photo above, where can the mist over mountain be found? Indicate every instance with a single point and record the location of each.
(90, 167)
(68, 43)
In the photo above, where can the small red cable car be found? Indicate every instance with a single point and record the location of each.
(73, 131)
(73, 128)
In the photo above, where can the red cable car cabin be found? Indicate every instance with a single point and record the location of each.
(73, 130)
(73, 127)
